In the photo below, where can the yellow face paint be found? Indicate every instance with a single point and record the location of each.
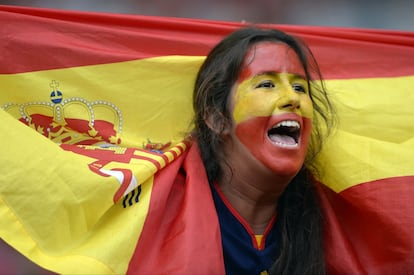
(266, 94)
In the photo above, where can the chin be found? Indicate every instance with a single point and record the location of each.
(285, 168)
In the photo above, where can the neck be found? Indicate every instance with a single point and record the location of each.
(254, 199)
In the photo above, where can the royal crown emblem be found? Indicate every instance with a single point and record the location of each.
(73, 120)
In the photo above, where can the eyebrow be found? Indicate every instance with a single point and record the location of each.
(273, 73)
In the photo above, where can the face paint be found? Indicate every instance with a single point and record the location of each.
(271, 107)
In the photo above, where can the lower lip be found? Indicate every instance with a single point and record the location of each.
(284, 145)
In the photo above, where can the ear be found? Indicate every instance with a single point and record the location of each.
(217, 122)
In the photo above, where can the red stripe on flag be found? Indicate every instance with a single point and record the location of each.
(40, 39)
(183, 214)
(370, 227)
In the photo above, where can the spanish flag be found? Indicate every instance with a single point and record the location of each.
(96, 174)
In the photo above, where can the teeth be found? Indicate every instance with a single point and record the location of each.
(288, 123)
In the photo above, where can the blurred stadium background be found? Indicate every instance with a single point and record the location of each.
(378, 14)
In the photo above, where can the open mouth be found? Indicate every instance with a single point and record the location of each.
(285, 133)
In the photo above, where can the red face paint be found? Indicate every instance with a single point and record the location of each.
(270, 57)
(281, 159)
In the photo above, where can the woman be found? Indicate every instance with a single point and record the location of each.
(259, 116)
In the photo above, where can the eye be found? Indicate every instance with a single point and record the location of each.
(266, 84)
(299, 88)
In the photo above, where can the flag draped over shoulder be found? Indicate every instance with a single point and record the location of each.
(94, 113)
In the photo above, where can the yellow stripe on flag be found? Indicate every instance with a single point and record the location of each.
(154, 96)
(375, 137)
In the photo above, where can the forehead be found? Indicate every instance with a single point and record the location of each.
(266, 57)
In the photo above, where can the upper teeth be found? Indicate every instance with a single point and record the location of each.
(288, 123)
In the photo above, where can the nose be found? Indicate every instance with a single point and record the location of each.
(288, 100)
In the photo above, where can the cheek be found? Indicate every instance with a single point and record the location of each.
(307, 108)
(250, 106)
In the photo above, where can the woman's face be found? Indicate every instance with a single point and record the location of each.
(271, 109)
